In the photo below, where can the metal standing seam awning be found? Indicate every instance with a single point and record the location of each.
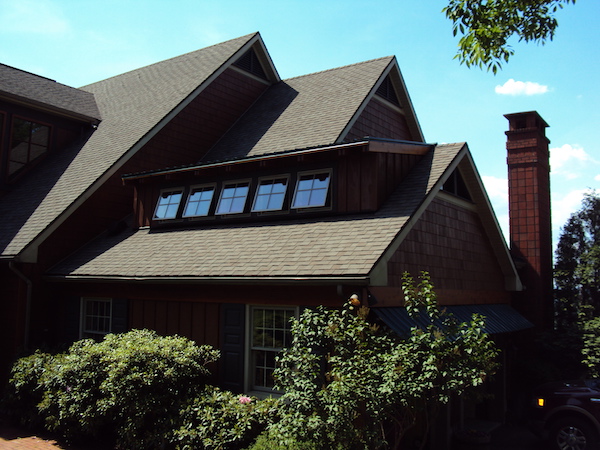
(499, 318)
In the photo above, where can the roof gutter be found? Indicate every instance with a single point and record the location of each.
(350, 280)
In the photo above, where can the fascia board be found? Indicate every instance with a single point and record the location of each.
(29, 253)
(350, 280)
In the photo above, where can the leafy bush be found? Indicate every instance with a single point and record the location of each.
(129, 387)
(267, 441)
(351, 383)
(591, 346)
(220, 420)
(25, 391)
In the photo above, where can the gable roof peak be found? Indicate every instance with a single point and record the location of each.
(216, 48)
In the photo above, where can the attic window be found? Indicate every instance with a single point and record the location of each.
(250, 63)
(30, 141)
(386, 90)
(168, 204)
(456, 185)
(270, 194)
(233, 198)
(312, 190)
(199, 201)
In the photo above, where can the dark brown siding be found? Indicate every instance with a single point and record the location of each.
(187, 138)
(449, 242)
(12, 312)
(365, 180)
(379, 120)
(197, 321)
(184, 140)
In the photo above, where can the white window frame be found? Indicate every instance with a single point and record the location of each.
(171, 191)
(313, 173)
(261, 180)
(205, 187)
(251, 349)
(225, 186)
(95, 331)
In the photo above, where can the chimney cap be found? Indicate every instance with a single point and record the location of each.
(523, 115)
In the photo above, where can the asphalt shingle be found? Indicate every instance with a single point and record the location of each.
(307, 111)
(131, 105)
(341, 246)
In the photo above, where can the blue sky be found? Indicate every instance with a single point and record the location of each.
(77, 42)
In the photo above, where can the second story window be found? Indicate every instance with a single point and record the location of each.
(270, 194)
(29, 141)
(168, 204)
(311, 190)
(233, 197)
(199, 201)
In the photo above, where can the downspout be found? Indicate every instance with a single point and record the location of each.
(21, 275)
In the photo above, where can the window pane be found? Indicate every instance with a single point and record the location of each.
(270, 195)
(312, 190)
(29, 141)
(199, 202)
(168, 204)
(233, 198)
(271, 331)
(96, 317)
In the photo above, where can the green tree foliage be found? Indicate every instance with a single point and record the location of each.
(346, 379)
(485, 27)
(576, 339)
(577, 265)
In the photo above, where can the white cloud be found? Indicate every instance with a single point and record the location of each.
(563, 207)
(32, 16)
(512, 87)
(569, 161)
(496, 188)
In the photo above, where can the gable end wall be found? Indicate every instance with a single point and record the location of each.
(379, 120)
(450, 243)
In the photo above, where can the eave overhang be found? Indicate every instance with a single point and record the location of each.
(368, 144)
(357, 280)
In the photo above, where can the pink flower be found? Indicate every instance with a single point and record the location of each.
(244, 399)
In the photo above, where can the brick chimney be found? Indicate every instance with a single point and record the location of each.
(529, 212)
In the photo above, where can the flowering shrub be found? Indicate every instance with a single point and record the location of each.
(220, 420)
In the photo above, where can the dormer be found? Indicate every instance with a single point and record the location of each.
(339, 179)
(38, 116)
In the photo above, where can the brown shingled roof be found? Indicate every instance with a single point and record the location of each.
(40, 92)
(133, 106)
(307, 111)
(340, 247)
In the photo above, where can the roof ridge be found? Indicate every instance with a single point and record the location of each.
(390, 58)
(246, 37)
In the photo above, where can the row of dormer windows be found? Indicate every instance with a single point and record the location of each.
(311, 191)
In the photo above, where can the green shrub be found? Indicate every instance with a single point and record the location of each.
(24, 391)
(266, 441)
(129, 387)
(220, 420)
